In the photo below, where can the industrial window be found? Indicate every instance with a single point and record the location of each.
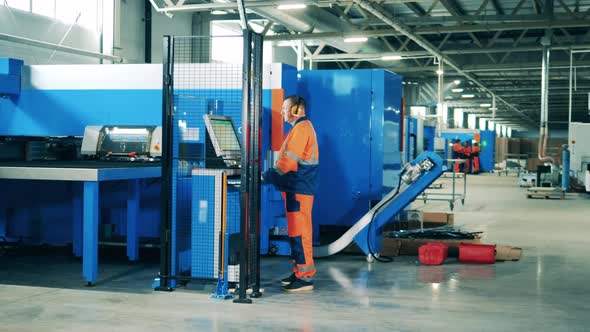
(86, 13)
(224, 49)
(44, 7)
(24, 5)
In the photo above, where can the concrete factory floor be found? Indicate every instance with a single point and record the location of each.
(547, 290)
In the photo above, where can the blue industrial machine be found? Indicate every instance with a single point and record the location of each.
(10, 77)
(565, 171)
(356, 115)
(415, 177)
(418, 137)
(485, 138)
(429, 135)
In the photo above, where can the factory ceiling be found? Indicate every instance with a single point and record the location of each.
(486, 47)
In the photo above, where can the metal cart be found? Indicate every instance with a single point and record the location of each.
(431, 194)
(515, 162)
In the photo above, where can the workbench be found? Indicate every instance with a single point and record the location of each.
(85, 201)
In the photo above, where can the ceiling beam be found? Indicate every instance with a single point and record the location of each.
(416, 8)
(453, 7)
(470, 50)
(546, 24)
(493, 67)
(379, 12)
(498, 7)
(210, 6)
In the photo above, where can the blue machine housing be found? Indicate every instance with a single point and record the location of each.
(349, 110)
(487, 144)
(10, 73)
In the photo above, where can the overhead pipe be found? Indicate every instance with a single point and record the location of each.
(66, 49)
(544, 126)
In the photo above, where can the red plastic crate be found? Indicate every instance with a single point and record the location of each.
(477, 253)
(433, 253)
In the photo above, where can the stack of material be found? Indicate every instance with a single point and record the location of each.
(407, 243)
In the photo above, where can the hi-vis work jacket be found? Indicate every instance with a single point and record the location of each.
(296, 171)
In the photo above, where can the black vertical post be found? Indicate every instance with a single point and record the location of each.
(167, 140)
(256, 160)
(148, 31)
(245, 175)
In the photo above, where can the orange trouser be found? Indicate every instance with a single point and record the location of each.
(476, 164)
(298, 209)
(467, 166)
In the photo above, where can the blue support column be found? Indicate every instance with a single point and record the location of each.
(91, 219)
(3, 221)
(132, 216)
(76, 218)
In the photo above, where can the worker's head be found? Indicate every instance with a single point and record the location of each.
(476, 144)
(293, 109)
(465, 144)
(457, 140)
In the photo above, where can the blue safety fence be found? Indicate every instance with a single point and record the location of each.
(201, 87)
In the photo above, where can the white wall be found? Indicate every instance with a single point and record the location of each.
(132, 30)
(180, 25)
(24, 24)
(130, 43)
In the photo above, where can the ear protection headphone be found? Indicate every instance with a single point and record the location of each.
(295, 107)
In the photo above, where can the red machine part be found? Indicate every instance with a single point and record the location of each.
(433, 253)
(477, 253)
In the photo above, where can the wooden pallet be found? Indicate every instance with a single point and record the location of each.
(545, 193)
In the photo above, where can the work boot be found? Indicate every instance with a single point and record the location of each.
(299, 285)
(288, 280)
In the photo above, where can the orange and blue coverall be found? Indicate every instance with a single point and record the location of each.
(467, 155)
(457, 154)
(475, 154)
(295, 174)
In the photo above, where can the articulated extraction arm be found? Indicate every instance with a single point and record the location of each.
(414, 179)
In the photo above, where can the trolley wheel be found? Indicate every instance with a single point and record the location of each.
(452, 206)
(463, 201)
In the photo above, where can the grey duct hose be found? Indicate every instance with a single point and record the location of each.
(346, 239)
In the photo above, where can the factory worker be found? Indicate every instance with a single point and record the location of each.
(475, 155)
(457, 154)
(467, 155)
(295, 174)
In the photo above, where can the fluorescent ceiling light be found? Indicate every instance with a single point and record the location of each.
(457, 82)
(355, 39)
(218, 12)
(485, 105)
(391, 57)
(457, 90)
(291, 6)
(467, 96)
(440, 72)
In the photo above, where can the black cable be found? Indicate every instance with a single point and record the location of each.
(382, 259)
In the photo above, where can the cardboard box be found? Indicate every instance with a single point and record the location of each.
(439, 217)
(508, 253)
(434, 217)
